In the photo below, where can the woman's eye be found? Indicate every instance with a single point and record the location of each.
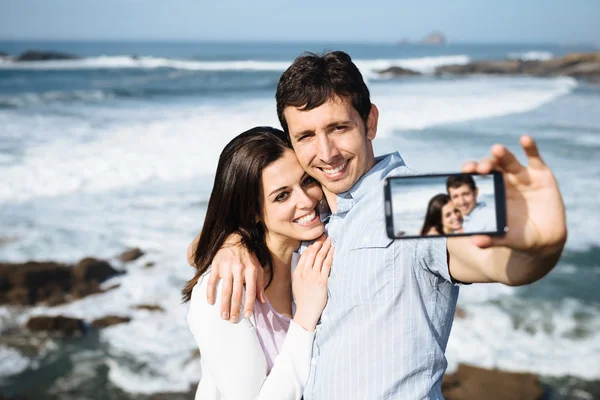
(282, 196)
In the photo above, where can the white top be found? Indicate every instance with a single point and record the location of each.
(234, 366)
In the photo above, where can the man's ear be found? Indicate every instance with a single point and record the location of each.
(372, 121)
(476, 192)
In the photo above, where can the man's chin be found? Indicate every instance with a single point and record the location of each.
(337, 187)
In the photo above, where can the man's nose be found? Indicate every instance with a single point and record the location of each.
(327, 150)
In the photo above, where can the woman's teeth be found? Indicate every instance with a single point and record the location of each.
(306, 218)
(335, 170)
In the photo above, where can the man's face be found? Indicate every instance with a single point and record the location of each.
(332, 142)
(463, 198)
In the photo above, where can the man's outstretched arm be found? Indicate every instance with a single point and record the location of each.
(536, 220)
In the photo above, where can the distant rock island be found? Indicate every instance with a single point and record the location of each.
(434, 38)
(39, 55)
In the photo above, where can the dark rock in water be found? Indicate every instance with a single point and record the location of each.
(131, 255)
(583, 70)
(112, 287)
(174, 395)
(581, 66)
(194, 355)
(149, 307)
(38, 55)
(109, 321)
(61, 325)
(51, 283)
(482, 67)
(470, 383)
(398, 71)
(84, 289)
(32, 282)
(91, 269)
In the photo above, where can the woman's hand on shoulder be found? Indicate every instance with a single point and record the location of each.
(309, 282)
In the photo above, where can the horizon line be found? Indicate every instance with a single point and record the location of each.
(399, 42)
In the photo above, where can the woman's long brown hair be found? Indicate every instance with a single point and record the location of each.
(433, 216)
(235, 199)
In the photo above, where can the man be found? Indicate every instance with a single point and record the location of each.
(477, 216)
(391, 303)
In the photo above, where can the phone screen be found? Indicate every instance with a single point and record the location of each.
(445, 205)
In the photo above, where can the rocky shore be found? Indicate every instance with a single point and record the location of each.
(585, 66)
(51, 283)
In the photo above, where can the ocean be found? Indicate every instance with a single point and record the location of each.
(118, 149)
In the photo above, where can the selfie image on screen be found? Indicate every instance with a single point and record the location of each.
(443, 205)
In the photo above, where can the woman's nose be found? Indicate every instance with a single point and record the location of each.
(305, 201)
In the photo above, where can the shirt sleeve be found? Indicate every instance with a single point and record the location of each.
(235, 359)
(432, 255)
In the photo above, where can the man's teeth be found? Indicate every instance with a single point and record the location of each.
(335, 170)
(307, 218)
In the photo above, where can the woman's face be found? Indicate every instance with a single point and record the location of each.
(289, 201)
(451, 218)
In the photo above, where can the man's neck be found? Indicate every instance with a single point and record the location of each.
(331, 200)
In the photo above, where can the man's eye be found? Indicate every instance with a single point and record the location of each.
(303, 137)
(340, 127)
(282, 196)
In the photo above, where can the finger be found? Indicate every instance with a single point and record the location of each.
(321, 255)
(251, 289)
(469, 167)
(531, 151)
(484, 241)
(260, 286)
(506, 160)
(213, 281)
(226, 296)
(236, 297)
(307, 259)
(327, 263)
(486, 165)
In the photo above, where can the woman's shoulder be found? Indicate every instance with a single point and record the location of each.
(198, 299)
(199, 305)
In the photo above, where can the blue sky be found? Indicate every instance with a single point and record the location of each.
(530, 21)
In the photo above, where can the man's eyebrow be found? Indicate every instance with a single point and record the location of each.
(278, 190)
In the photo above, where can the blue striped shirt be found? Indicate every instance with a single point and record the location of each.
(391, 304)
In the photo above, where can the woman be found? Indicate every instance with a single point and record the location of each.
(441, 218)
(261, 193)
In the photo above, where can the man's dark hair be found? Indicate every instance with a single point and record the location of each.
(313, 79)
(456, 181)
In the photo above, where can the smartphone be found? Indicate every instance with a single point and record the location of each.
(445, 205)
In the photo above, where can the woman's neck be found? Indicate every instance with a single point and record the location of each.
(279, 291)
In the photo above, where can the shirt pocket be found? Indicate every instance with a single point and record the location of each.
(368, 272)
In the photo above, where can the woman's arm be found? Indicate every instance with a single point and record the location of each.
(235, 358)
